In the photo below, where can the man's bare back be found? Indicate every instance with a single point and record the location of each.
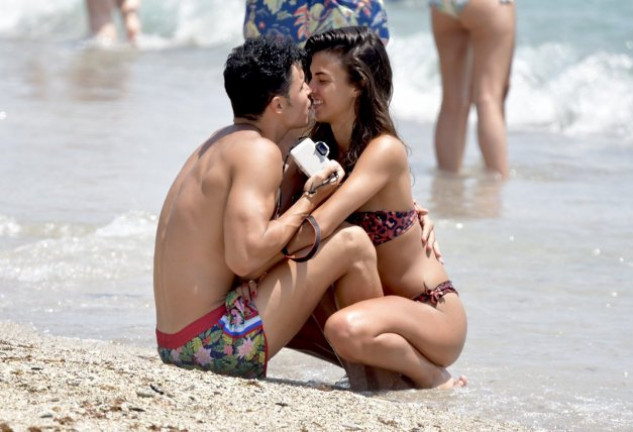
(191, 275)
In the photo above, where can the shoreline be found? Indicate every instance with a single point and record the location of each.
(52, 382)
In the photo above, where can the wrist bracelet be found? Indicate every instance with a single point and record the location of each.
(315, 245)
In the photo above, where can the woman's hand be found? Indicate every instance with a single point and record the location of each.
(428, 232)
(248, 288)
(324, 183)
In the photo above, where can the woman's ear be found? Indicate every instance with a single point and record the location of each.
(358, 87)
(357, 91)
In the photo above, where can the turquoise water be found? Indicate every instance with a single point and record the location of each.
(573, 71)
(91, 138)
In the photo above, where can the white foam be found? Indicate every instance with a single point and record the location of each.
(133, 223)
(9, 226)
(69, 252)
(165, 23)
(553, 87)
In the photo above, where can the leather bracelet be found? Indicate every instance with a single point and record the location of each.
(315, 245)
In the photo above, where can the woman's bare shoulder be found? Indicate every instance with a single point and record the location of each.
(388, 149)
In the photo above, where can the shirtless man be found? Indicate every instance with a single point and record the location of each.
(218, 227)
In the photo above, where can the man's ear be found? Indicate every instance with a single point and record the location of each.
(277, 104)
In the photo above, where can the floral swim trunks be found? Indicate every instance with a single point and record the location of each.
(300, 19)
(229, 340)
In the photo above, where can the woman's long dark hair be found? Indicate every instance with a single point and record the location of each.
(364, 57)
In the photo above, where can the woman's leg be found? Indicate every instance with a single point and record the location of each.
(395, 333)
(453, 48)
(131, 21)
(290, 291)
(492, 27)
(100, 20)
(311, 340)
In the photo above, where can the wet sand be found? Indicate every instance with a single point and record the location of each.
(55, 383)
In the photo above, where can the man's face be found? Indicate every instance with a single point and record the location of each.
(298, 110)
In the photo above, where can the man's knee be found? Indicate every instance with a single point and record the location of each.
(354, 243)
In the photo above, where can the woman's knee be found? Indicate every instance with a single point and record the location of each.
(488, 102)
(455, 106)
(347, 333)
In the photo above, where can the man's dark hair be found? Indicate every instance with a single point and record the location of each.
(257, 71)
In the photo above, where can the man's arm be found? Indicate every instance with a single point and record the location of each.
(252, 240)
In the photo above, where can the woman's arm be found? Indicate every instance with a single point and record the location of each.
(383, 159)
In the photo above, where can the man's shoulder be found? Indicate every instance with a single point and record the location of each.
(254, 163)
(251, 148)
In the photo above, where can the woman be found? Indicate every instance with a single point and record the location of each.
(419, 327)
(475, 45)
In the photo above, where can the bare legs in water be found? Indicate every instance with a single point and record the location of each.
(475, 53)
(102, 26)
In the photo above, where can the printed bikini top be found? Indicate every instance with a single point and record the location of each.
(382, 226)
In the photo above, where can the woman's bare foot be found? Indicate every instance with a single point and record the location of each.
(102, 27)
(131, 20)
(436, 377)
(462, 381)
(106, 35)
(132, 24)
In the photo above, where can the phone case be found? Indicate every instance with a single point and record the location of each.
(309, 160)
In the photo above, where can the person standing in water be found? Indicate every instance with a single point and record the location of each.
(300, 19)
(475, 44)
(101, 22)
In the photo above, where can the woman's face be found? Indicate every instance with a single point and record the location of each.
(333, 97)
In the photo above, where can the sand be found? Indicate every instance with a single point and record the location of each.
(56, 383)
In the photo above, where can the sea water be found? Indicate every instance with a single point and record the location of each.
(91, 138)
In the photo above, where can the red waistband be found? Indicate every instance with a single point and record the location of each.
(176, 340)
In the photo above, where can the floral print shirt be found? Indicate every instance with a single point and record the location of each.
(299, 19)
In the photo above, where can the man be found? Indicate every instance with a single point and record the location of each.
(218, 226)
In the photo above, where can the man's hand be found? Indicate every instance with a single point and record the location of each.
(428, 232)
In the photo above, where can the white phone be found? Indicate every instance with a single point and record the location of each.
(312, 157)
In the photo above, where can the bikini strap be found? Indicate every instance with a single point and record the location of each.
(315, 245)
